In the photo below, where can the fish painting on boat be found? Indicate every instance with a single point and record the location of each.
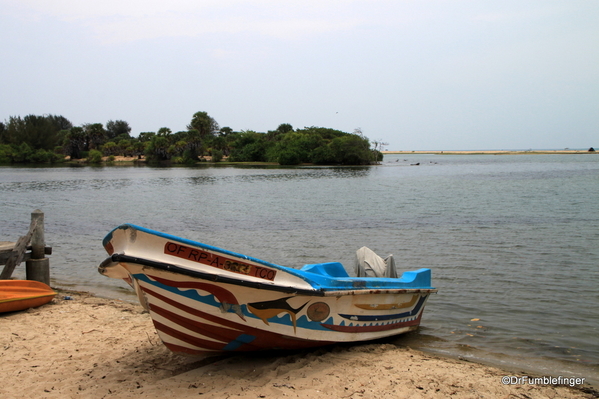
(204, 299)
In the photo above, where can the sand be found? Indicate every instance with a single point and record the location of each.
(492, 152)
(90, 347)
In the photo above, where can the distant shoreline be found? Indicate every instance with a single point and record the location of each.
(491, 152)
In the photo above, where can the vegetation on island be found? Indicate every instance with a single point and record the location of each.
(54, 139)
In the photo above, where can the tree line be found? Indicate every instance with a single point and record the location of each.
(53, 139)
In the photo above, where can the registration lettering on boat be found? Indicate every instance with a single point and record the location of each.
(221, 262)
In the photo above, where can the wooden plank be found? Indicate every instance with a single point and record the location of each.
(5, 254)
(6, 246)
(4, 257)
(18, 252)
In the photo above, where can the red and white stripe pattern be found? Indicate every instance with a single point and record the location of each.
(193, 327)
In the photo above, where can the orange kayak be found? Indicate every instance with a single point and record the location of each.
(23, 294)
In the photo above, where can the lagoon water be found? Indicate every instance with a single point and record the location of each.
(512, 240)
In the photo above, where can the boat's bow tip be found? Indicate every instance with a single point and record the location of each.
(110, 267)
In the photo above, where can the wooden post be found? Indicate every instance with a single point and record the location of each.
(38, 267)
(38, 242)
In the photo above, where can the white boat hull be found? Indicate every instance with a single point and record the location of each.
(247, 304)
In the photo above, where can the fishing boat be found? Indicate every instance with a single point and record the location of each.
(203, 299)
(23, 294)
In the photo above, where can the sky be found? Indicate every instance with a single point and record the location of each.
(416, 74)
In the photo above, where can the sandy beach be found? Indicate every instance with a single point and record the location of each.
(89, 347)
(491, 152)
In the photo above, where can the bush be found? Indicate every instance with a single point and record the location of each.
(217, 155)
(378, 156)
(40, 156)
(110, 148)
(351, 150)
(189, 157)
(289, 157)
(21, 153)
(94, 157)
(5, 153)
(323, 155)
(249, 147)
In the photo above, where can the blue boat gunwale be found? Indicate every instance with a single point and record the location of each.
(117, 258)
(314, 274)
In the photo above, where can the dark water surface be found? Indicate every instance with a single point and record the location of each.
(513, 240)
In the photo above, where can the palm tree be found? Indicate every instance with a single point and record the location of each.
(204, 124)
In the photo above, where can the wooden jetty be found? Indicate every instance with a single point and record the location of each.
(31, 249)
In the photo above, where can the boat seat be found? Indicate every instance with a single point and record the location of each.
(330, 269)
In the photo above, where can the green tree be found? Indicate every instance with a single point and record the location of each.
(284, 128)
(6, 151)
(289, 156)
(194, 145)
(60, 122)
(164, 132)
(158, 149)
(218, 143)
(117, 128)
(41, 156)
(275, 135)
(110, 148)
(123, 146)
(204, 124)
(295, 147)
(229, 137)
(138, 148)
(249, 146)
(217, 155)
(177, 148)
(21, 153)
(225, 131)
(351, 150)
(323, 155)
(146, 137)
(95, 135)
(39, 132)
(74, 143)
